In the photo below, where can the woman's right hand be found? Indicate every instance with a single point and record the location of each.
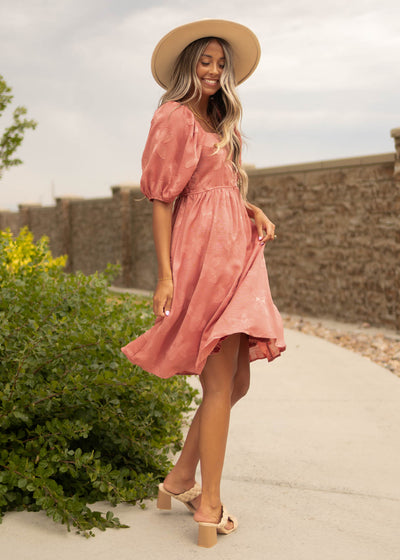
(162, 299)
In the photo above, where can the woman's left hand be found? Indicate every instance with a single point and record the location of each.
(265, 228)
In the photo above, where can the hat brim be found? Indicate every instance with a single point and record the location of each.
(244, 43)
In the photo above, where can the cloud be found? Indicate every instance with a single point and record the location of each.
(326, 85)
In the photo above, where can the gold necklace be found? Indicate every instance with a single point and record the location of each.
(208, 121)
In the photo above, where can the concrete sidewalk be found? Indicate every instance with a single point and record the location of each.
(312, 472)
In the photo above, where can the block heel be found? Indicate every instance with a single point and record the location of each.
(207, 536)
(163, 500)
(186, 498)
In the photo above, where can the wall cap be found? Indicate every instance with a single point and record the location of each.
(125, 187)
(69, 197)
(29, 205)
(326, 164)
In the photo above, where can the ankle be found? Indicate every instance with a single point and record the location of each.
(207, 513)
(176, 482)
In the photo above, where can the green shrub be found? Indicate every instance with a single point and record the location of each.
(78, 423)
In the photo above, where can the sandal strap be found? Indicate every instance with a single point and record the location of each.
(190, 494)
(224, 518)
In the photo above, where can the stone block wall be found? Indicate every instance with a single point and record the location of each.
(337, 253)
(96, 232)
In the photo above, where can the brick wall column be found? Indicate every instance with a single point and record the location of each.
(64, 220)
(9, 219)
(25, 214)
(395, 134)
(122, 195)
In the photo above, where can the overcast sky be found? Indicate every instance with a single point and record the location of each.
(328, 84)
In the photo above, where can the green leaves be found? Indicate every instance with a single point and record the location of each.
(78, 423)
(12, 136)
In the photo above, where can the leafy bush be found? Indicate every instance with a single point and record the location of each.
(78, 423)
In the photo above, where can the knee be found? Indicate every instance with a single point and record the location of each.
(215, 390)
(240, 389)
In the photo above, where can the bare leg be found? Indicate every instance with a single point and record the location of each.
(217, 380)
(241, 381)
(182, 476)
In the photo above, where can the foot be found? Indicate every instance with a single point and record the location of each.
(212, 515)
(178, 486)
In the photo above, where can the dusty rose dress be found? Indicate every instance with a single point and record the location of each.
(219, 273)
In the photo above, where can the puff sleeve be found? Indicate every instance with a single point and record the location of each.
(171, 153)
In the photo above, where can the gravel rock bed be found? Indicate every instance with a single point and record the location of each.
(379, 345)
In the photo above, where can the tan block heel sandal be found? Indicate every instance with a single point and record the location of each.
(164, 497)
(208, 531)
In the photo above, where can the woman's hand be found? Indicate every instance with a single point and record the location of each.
(265, 228)
(162, 219)
(264, 224)
(162, 299)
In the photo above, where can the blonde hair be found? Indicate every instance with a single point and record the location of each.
(224, 108)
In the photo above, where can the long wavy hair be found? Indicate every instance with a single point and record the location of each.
(224, 108)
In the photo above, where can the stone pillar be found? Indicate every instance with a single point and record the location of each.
(395, 133)
(11, 220)
(25, 214)
(122, 194)
(63, 212)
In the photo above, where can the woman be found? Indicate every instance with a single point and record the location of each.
(212, 301)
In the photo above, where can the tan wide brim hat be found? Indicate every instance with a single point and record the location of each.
(245, 46)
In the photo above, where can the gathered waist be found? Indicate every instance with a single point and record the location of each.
(186, 193)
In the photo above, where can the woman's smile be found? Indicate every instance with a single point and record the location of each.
(210, 67)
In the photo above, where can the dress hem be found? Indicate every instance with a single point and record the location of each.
(260, 348)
